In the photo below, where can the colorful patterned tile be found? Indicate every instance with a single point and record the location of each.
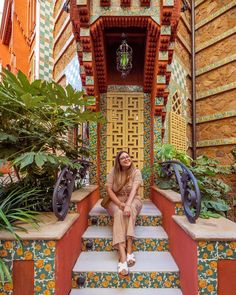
(142, 220)
(26, 252)
(140, 244)
(45, 249)
(135, 10)
(44, 269)
(179, 210)
(207, 287)
(44, 287)
(134, 280)
(207, 270)
(208, 250)
(227, 250)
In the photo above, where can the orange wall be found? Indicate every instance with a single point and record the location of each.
(18, 44)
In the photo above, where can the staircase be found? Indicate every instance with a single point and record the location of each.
(155, 271)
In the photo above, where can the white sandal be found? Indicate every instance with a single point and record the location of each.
(130, 259)
(123, 269)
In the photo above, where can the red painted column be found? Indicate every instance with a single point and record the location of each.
(226, 270)
(23, 277)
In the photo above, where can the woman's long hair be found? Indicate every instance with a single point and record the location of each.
(121, 177)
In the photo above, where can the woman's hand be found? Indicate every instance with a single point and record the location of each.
(121, 206)
(127, 210)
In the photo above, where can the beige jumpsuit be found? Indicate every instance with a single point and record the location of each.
(123, 226)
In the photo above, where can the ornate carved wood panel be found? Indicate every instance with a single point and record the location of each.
(125, 126)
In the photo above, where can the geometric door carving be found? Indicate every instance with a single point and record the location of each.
(125, 126)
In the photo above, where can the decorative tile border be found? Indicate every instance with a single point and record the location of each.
(163, 55)
(215, 15)
(103, 146)
(93, 152)
(209, 253)
(87, 56)
(142, 220)
(140, 244)
(210, 92)
(116, 10)
(147, 143)
(84, 32)
(161, 79)
(179, 210)
(165, 30)
(134, 280)
(124, 88)
(220, 37)
(43, 254)
(46, 25)
(216, 65)
(168, 2)
(159, 101)
(216, 116)
(216, 142)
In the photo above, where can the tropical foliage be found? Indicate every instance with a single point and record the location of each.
(207, 171)
(15, 204)
(35, 120)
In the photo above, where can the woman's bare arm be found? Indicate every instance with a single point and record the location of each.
(132, 194)
(114, 198)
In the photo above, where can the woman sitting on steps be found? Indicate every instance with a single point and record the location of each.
(122, 187)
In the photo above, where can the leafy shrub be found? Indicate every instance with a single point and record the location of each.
(35, 119)
(214, 191)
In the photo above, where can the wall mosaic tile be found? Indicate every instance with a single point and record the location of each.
(209, 253)
(93, 152)
(72, 73)
(216, 116)
(87, 56)
(216, 142)
(115, 10)
(46, 40)
(168, 3)
(216, 65)
(124, 88)
(163, 55)
(177, 84)
(43, 254)
(147, 143)
(210, 92)
(103, 146)
(165, 30)
(159, 101)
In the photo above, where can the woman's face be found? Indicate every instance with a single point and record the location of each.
(125, 160)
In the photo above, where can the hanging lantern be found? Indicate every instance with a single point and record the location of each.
(124, 57)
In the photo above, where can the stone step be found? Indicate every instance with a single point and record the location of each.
(149, 215)
(99, 270)
(148, 238)
(130, 291)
